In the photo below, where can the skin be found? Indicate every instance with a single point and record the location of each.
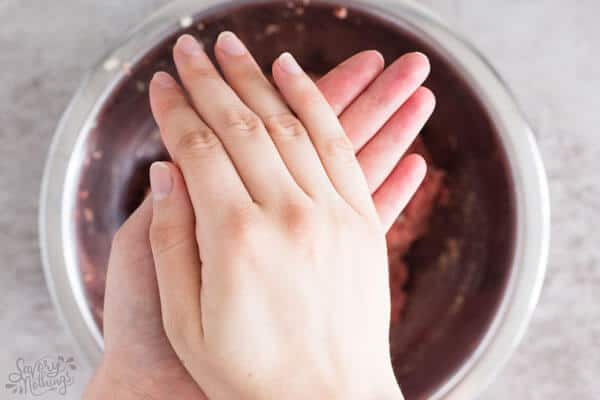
(380, 112)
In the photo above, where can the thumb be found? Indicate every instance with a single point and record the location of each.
(130, 277)
(176, 256)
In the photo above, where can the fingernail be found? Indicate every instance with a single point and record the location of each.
(230, 44)
(418, 53)
(288, 63)
(160, 180)
(163, 79)
(189, 45)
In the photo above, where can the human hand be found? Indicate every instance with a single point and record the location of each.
(138, 359)
(293, 241)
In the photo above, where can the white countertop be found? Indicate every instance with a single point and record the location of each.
(547, 51)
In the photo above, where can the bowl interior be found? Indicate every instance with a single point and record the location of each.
(459, 270)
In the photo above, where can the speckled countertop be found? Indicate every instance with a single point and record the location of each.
(548, 52)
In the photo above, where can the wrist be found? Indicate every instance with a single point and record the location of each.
(108, 383)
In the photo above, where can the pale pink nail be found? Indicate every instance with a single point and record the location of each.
(160, 180)
(189, 45)
(288, 63)
(163, 79)
(230, 44)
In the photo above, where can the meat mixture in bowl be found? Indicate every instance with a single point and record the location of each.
(410, 226)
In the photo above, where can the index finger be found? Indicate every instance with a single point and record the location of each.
(214, 185)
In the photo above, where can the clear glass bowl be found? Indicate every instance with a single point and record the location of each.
(477, 316)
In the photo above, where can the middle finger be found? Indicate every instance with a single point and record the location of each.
(289, 135)
(241, 131)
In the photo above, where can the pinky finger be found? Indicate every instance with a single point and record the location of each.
(399, 187)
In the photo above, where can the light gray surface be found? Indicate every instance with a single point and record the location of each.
(545, 50)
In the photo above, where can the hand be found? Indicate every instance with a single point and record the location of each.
(138, 358)
(275, 284)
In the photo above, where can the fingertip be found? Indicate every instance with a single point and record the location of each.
(367, 64)
(373, 57)
(161, 86)
(426, 99)
(161, 92)
(344, 83)
(420, 54)
(161, 180)
(229, 44)
(421, 59)
(288, 64)
(399, 187)
(163, 80)
(417, 166)
(279, 73)
(187, 45)
(427, 93)
(414, 64)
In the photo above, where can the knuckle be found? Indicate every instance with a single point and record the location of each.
(123, 238)
(308, 97)
(169, 103)
(299, 219)
(242, 122)
(239, 225)
(203, 72)
(340, 147)
(127, 247)
(343, 219)
(167, 236)
(196, 141)
(285, 125)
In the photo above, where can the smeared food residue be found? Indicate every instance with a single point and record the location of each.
(272, 29)
(186, 21)
(340, 12)
(111, 64)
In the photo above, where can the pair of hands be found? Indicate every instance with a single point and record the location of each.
(288, 217)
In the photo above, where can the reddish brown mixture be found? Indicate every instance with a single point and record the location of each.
(410, 226)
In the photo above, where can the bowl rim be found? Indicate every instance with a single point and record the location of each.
(532, 202)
